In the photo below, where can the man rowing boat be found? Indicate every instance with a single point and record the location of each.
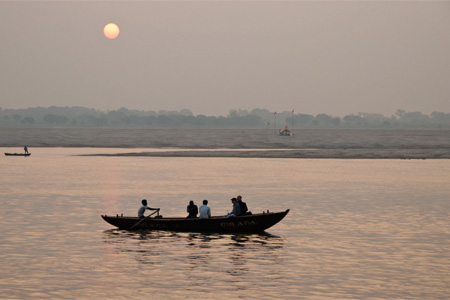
(143, 208)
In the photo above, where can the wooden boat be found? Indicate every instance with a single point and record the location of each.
(247, 223)
(17, 154)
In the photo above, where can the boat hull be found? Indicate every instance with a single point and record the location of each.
(17, 154)
(248, 223)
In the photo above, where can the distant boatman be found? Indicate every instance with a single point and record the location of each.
(26, 149)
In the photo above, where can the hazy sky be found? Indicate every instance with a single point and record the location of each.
(315, 57)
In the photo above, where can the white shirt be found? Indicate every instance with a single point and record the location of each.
(205, 212)
(141, 210)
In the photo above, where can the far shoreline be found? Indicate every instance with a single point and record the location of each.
(244, 143)
(292, 154)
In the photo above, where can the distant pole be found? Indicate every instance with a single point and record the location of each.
(275, 122)
(292, 120)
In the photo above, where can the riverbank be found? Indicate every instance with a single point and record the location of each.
(301, 153)
(395, 144)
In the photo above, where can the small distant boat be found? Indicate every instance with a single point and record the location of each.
(285, 132)
(17, 154)
(247, 223)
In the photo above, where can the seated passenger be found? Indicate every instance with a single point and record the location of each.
(236, 208)
(192, 209)
(205, 211)
(243, 206)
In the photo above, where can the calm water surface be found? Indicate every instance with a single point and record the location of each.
(358, 229)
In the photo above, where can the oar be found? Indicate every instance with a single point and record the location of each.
(157, 211)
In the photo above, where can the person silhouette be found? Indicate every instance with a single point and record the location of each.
(205, 211)
(143, 208)
(192, 209)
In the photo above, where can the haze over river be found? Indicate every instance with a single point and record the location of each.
(357, 229)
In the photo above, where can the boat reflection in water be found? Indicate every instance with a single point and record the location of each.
(215, 254)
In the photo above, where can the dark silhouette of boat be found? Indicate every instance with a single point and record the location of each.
(17, 154)
(247, 223)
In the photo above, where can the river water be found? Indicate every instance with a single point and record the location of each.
(357, 229)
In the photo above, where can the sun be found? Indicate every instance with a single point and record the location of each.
(111, 31)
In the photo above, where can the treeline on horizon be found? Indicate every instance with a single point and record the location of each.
(82, 117)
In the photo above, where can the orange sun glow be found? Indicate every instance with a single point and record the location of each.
(111, 31)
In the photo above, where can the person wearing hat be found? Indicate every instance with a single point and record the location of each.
(236, 208)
